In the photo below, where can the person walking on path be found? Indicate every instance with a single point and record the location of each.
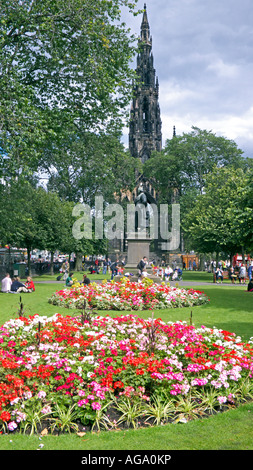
(65, 269)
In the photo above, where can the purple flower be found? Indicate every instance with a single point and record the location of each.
(12, 425)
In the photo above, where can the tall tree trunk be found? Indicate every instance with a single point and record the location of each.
(29, 248)
(243, 255)
(52, 263)
(79, 265)
(202, 258)
(217, 258)
(231, 259)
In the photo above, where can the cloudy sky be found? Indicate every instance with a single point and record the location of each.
(203, 56)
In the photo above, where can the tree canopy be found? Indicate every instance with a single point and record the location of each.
(185, 160)
(64, 67)
(221, 219)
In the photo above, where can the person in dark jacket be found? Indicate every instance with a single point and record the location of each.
(86, 280)
(114, 269)
(250, 286)
(18, 286)
(142, 265)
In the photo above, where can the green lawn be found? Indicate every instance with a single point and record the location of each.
(230, 308)
(76, 274)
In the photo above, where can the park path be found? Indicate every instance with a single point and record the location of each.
(172, 283)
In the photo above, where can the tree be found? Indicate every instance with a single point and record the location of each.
(64, 65)
(88, 245)
(20, 218)
(178, 172)
(221, 217)
(90, 165)
(34, 218)
(185, 160)
(51, 215)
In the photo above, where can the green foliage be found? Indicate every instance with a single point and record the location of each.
(186, 159)
(222, 217)
(101, 419)
(159, 411)
(35, 218)
(130, 411)
(64, 66)
(64, 420)
(34, 419)
(90, 165)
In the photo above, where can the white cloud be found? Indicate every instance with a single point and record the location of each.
(224, 70)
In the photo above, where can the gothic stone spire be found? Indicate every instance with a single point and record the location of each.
(145, 134)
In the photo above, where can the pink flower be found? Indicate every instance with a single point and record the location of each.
(83, 402)
(91, 397)
(12, 425)
(96, 406)
(222, 400)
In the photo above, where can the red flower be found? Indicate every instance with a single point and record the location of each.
(5, 416)
(118, 384)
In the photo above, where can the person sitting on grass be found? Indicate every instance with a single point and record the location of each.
(30, 285)
(86, 280)
(144, 274)
(168, 272)
(69, 280)
(18, 286)
(177, 276)
(6, 283)
(250, 286)
(179, 273)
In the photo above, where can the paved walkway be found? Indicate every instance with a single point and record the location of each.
(172, 283)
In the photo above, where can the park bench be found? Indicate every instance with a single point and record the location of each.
(226, 276)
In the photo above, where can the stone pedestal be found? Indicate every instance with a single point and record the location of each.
(138, 246)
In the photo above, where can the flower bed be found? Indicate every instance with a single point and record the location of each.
(128, 295)
(66, 374)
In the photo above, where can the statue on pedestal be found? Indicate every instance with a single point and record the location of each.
(142, 216)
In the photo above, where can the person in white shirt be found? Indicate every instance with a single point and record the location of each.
(167, 273)
(144, 273)
(242, 274)
(6, 283)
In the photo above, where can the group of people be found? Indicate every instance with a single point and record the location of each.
(167, 273)
(14, 285)
(115, 267)
(69, 281)
(240, 273)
